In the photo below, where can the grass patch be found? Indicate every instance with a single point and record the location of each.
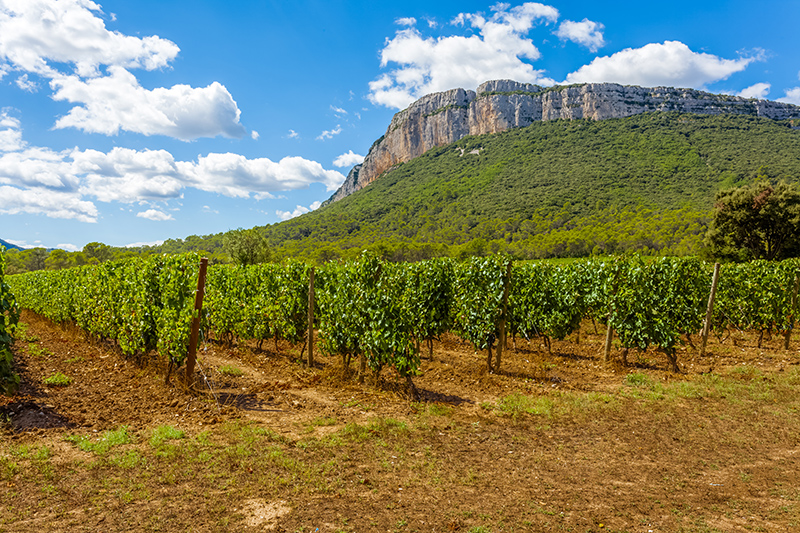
(57, 380)
(37, 351)
(230, 370)
(101, 446)
(164, 433)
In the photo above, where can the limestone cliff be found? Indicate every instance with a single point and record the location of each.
(443, 118)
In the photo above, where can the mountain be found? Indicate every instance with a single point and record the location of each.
(554, 188)
(446, 117)
(9, 246)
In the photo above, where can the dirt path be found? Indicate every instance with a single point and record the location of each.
(557, 441)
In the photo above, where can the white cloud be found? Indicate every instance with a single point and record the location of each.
(293, 134)
(34, 34)
(406, 21)
(338, 110)
(27, 85)
(38, 201)
(427, 65)
(792, 96)
(236, 176)
(671, 63)
(586, 33)
(117, 101)
(254, 135)
(125, 175)
(300, 210)
(140, 244)
(328, 134)
(759, 90)
(68, 247)
(155, 215)
(62, 184)
(10, 133)
(41, 37)
(348, 160)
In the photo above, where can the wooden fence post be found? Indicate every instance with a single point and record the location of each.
(191, 357)
(501, 340)
(311, 317)
(710, 309)
(788, 335)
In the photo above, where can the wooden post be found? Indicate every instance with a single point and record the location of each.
(609, 337)
(311, 317)
(191, 358)
(788, 335)
(501, 339)
(609, 327)
(710, 309)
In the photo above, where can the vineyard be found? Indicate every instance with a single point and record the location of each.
(552, 438)
(382, 314)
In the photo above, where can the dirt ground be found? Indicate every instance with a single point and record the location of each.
(554, 441)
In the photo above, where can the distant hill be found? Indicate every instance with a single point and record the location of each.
(557, 188)
(9, 246)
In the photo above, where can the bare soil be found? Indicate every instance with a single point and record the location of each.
(286, 448)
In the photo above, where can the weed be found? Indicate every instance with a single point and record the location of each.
(57, 380)
(164, 433)
(516, 404)
(230, 370)
(37, 351)
(108, 440)
(78, 359)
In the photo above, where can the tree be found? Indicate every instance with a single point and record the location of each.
(758, 221)
(97, 250)
(246, 246)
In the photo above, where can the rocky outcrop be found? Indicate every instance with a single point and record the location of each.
(444, 118)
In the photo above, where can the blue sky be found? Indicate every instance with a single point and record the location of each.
(137, 121)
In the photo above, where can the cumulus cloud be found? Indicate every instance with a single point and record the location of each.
(338, 110)
(499, 50)
(254, 135)
(328, 134)
(759, 90)
(155, 215)
(586, 33)
(406, 21)
(670, 63)
(68, 247)
(293, 134)
(67, 42)
(792, 96)
(10, 133)
(140, 244)
(300, 210)
(35, 34)
(348, 160)
(117, 101)
(65, 184)
(26, 84)
(236, 176)
(38, 201)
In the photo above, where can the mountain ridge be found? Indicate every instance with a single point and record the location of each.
(443, 118)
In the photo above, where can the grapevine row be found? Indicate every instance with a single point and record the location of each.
(383, 313)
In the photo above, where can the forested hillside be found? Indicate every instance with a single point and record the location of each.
(563, 188)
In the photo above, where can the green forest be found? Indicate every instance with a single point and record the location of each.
(554, 189)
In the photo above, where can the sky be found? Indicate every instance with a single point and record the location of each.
(129, 122)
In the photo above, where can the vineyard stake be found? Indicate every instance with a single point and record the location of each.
(788, 336)
(311, 317)
(710, 309)
(501, 340)
(191, 358)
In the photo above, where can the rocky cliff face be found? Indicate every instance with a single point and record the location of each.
(497, 106)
